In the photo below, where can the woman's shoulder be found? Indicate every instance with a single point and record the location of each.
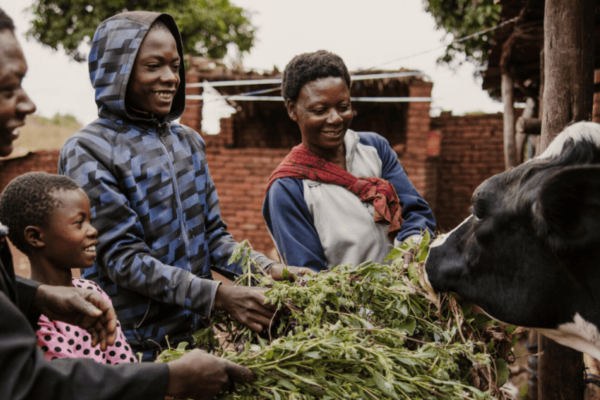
(286, 185)
(372, 139)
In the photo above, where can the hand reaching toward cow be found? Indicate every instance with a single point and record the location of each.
(199, 375)
(81, 307)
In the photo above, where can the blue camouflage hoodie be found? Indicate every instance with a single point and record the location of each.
(152, 197)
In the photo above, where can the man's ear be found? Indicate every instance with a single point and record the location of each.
(34, 237)
(291, 109)
(569, 201)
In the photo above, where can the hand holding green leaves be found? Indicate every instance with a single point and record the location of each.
(369, 331)
(199, 375)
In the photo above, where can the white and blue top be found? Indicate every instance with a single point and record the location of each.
(318, 225)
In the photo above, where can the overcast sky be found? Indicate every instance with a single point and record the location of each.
(364, 33)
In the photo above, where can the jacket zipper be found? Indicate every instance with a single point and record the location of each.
(161, 134)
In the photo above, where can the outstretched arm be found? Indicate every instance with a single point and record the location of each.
(27, 375)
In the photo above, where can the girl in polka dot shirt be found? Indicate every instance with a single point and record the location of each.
(48, 217)
(60, 340)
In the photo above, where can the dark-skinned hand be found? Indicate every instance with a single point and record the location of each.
(276, 272)
(81, 307)
(245, 305)
(199, 375)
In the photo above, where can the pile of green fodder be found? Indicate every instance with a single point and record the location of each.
(372, 331)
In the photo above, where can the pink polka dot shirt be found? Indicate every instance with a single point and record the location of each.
(61, 340)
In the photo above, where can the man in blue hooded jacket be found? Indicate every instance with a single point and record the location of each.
(153, 199)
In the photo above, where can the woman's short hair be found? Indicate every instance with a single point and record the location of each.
(308, 67)
(29, 201)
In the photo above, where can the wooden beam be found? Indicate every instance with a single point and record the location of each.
(568, 97)
(529, 126)
(510, 154)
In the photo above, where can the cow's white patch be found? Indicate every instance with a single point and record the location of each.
(579, 131)
(438, 241)
(580, 335)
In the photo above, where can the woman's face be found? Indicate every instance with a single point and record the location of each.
(324, 112)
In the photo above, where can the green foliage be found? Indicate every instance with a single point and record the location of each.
(207, 26)
(461, 18)
(369, 331)
(61, 120)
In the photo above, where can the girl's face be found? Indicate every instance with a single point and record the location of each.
(323, 112)
(70, 239)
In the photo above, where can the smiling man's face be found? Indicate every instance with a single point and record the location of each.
(155, 76)
(15, 105)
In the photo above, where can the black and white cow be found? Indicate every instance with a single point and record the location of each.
(529, 254)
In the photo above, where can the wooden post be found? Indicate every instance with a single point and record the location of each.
(568, 97)
(526, 125)
(568, 65)
(510, 154)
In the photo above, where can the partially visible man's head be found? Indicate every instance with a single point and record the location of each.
(15, 105)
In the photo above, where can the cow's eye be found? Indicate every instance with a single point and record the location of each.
(478, 210)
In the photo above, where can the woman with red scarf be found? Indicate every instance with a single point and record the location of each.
(340, 196)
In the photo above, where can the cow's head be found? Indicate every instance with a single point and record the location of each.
(529, 254)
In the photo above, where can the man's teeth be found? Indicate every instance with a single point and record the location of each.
(91, 249)
(332, 133)
(164, 95)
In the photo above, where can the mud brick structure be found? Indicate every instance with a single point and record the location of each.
(471, 150)
(446, 157)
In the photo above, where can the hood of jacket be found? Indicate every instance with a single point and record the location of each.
(114, 49)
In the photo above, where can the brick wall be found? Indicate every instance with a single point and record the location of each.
(241, 176)
(41, 160)
(414, 157)
(471, 150)
(468, 150)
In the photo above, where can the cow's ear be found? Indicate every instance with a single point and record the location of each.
(569, 203)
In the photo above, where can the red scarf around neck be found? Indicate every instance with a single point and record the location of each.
(302, 163)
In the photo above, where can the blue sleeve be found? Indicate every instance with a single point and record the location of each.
(291, 225)
(415, 211)
(122, 252)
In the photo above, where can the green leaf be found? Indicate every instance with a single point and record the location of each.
(408, 325)
(502, 371)
(313, 354)
(386, 387)
(286, 384)
(181, 346)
